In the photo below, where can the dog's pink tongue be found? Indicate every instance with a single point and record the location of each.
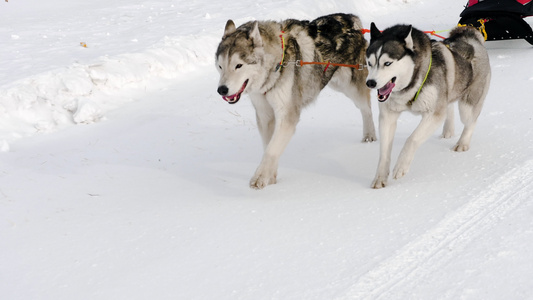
(387, 89)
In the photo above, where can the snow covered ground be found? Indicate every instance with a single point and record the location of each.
(125, 176)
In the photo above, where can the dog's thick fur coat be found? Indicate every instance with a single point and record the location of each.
(259, 58)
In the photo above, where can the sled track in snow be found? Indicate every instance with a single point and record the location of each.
(395, 277)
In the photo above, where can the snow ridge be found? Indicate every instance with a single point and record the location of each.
(80, 93)
(396, 277)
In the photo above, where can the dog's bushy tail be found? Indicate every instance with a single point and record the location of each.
(466, 32)
(462, 40)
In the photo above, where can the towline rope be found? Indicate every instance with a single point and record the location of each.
(301, 63)
(432, 32)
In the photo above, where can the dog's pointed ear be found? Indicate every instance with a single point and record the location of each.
(374, 32)
(409, 39)
(229, 29)
(255, 35)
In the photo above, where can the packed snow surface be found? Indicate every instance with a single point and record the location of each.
(125, 175)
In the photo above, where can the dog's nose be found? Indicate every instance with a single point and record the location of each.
(371, 83)
(223, 90)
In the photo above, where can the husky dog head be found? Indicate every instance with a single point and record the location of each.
(391, 59)
(239, 60)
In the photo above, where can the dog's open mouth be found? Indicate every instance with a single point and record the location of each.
(385, 91)
(235, 97)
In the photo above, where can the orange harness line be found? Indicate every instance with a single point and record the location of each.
(432, 32)
(435, 34)
(303, 63)
(327, 64)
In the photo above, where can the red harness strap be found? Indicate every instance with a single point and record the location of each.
(327, 64)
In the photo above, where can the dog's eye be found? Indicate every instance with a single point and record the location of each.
(220, 67)
(238, 66)
(388, 63)
(369, 64)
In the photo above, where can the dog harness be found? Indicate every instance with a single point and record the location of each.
(301, 63)
(420, 88)
(280, 65)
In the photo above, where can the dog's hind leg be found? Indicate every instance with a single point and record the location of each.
(361, 100)
(469, 110)
(449, 126)
(469, 115)
(360, 95)
(285, 121)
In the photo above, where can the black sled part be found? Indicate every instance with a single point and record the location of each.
(499, 26)
(490, 7)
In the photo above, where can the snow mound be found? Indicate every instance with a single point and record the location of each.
(82, 93)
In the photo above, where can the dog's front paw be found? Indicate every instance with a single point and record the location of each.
(400, 171)
(447, 135)
(461, 147)
(369, 138)
(447, 131)
(379, 182)
(260, 181)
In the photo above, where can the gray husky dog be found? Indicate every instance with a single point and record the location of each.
(265, 60)
(413, 73)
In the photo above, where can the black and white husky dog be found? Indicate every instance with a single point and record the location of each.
(416, 74)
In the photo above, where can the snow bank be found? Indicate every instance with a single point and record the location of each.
(82, 93)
